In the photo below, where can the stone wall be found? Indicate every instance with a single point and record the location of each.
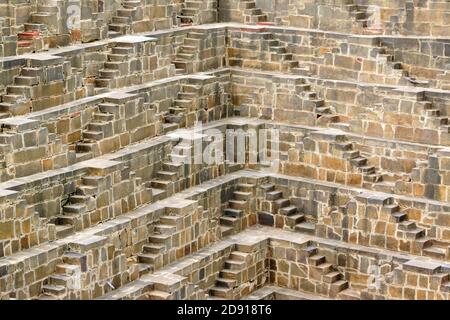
(425, 18)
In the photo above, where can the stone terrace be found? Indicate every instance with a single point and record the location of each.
(101, 193)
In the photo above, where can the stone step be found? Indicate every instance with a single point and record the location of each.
(167, 175)
(226, 283)
(171, 220)
(349, 294)
(235, 213)
(332, 277)
(87, 190)
(267, 187)
(64, 231)
(325, 268)
(101, 116)
(274, 195)
(237, 204)
(118, 57)
(359, 161)
(288, 210)
(310, 251)
(108, 74)
(435, 251)
(173, 167)
(306, 227)
(162, 239)
(221, 292)
(229, 221)
(165, 229)
(246, 187)
(13, 98)
(148, 258)
(191, 88)
(316, 260)
(77, 208)
(53, 289)
(92, 180)
(241, 195)
(415, 234)
(26, 81)
(239, 255)
(92, 135)
(161, 184)
(407, 225)
(226, 231)
(367, 169)
(79, 199)
(337, 287)
(399, 216)
(235, 264)
(67, 269)
(158, 194)
(295, 219)
(153, 248)
(281, 203)
(59, 280)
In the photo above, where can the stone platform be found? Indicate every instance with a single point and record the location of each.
(102, 195)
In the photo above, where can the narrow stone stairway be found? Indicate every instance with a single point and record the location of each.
(387, 65)
(170, 178)
(230, 221)
(160, 242)
(181, 107)
(230, 277)
(280, 205)
(78, 204)
(115, 68)
(325, 271)
(189, 12)
(67, 276)
(17, 100)
(409, 230)
(121, 23)
(188, 52)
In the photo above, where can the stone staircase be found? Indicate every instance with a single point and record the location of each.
(77, 205)
(230, 221)
(283, 206)
(432, 116)
(230, 277)
(279, 54)
(252, 14)
(170, 178)
(115, 67)
(99, 128)
(189, 12)
(244, 11)
(67, 276)
(122, 22)
(312, 103)
(31, 41)
(359, 15)
(152, 256)
(188, 52)
(17, 100)
(410, 231)
(325, 272)
(184, 104)
(387, 65)
(347, 151)
(45, 18)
